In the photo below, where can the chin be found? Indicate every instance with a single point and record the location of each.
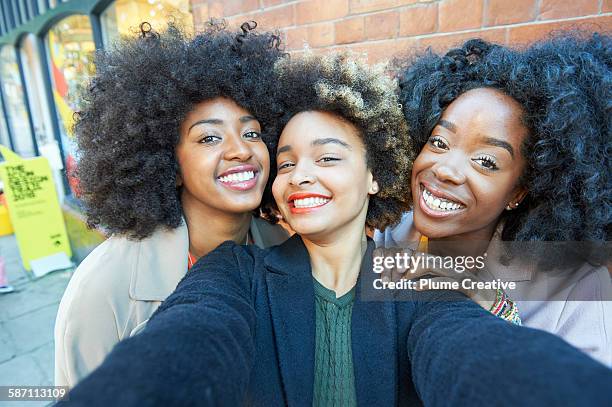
(241, 207)
(427, 229)
(306, 229)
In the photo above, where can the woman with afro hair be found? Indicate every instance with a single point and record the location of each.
(514, 161)
(300, 324)
(173, 147)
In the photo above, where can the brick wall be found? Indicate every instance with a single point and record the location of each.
(382, 28)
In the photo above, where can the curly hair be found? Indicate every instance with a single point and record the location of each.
(128, 126)
(366, 97)
(564, 85)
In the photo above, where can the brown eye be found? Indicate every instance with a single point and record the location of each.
(328, 159)
(253, 135)
(285, 165)
(438, 142)
(486, 162)
(210, 139)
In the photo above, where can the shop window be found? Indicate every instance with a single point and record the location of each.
(71, 49)
(4, 135)
(123, 17)
(16, 110)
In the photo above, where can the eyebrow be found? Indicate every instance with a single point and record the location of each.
(329, 140)
(487, 140)
(499, 143)
(317, 142)
(448, 125)
(243, 119)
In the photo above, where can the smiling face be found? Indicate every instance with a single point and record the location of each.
(323, 184)
(468, 172)
(224, 164)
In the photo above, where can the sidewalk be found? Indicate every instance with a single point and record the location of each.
(27, 318)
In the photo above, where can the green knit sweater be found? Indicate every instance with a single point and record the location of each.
(334, 378)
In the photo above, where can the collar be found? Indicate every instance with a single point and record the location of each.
(160, 263)
(291, 257)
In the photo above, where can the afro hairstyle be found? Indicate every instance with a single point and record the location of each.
(564, 85)
(366, 97)
(128, 126)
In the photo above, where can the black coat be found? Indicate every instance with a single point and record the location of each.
(240, 330)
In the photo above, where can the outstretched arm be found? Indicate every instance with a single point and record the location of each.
(197, 349)
(463, 355)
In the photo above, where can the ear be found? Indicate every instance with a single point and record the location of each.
(374, 188)
(179, 179)
(517, 198)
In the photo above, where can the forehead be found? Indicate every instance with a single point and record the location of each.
(305, 127)
(219, 108)
(486, 110)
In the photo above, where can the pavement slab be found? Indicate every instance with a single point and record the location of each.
(27, 319)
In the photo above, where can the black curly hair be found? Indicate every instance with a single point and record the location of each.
(564, 85)
(367, 98)
(128, 126)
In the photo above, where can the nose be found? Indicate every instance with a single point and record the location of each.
(301, 176)
(237, 149)
(449, 170)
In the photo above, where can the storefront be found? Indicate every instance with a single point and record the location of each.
(47, 50)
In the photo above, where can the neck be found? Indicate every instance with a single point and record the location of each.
(467, 244)
(336, 260)
(209, 227)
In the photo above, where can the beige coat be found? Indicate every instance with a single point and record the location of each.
(117, 288)
(580, 311)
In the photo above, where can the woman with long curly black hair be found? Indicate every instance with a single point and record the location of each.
(515, 147)
(173, 160)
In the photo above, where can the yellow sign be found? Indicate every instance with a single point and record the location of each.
(33, 207)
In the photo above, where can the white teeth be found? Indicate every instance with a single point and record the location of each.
(439, 204)
(238, 176)
(310, 202)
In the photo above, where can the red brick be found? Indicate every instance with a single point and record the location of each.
(215, 9)
(533, 32)
(268, 3)
(551, 9)
(443, 43)
(366, 6)
(382, 25)
(457, 15)
(234, 22)
(276, 18)
(314, 11)
(386, 51)
(320, 35)
(295, 38)
(419, 20)
(233, 7)
(607, 6)
(351, 30)
(500, 12)
(380, 51)
(200, 13)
